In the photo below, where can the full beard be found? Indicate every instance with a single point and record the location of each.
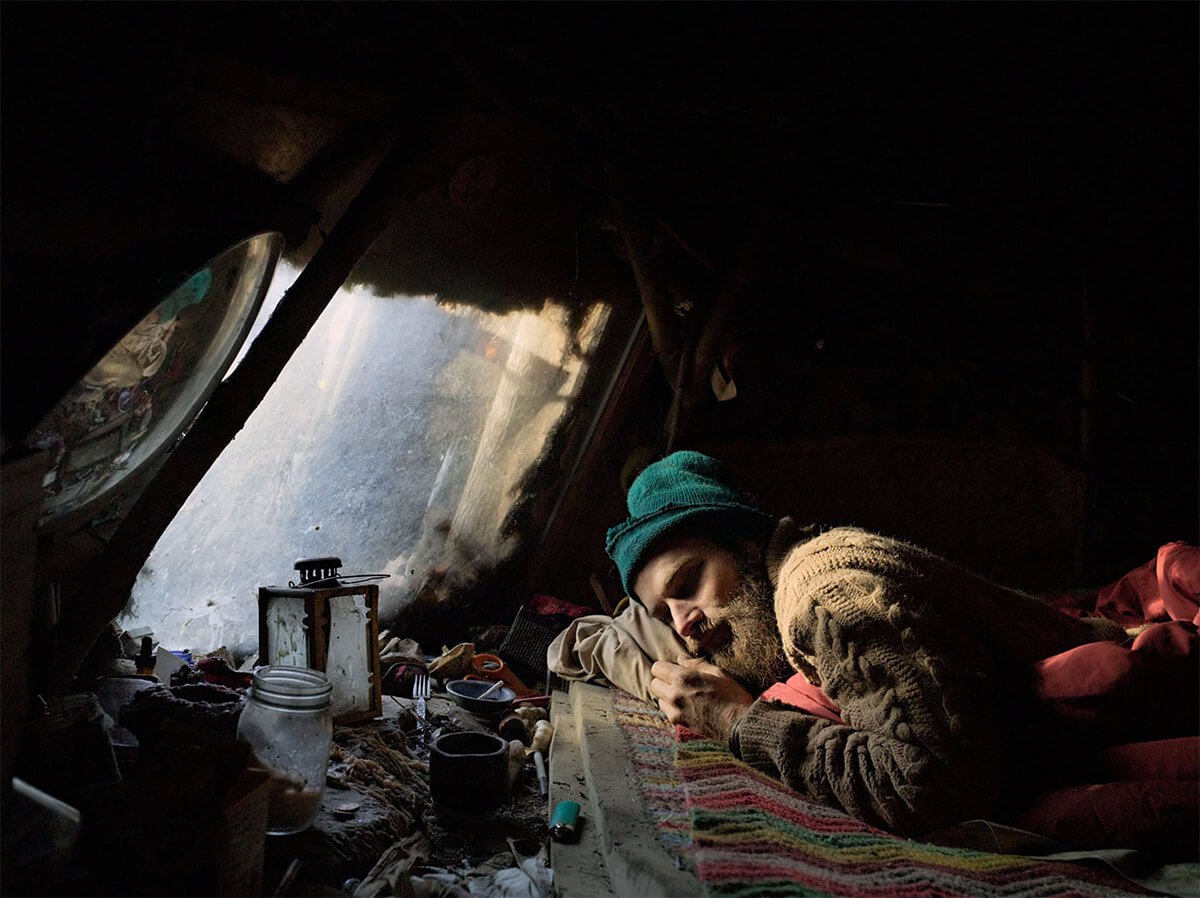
(751, 650)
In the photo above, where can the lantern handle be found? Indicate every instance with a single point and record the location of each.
(337, 580)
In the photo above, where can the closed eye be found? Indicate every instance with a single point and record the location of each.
(683, 581)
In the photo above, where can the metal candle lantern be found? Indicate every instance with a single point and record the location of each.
(327, 622)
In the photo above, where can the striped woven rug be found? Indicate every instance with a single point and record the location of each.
(754, 837)
(652, 744)
(746, 835)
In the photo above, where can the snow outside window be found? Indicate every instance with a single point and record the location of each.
(395, 439)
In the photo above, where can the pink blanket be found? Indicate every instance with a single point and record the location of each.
(1165, 588)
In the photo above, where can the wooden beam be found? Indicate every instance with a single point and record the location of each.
(561, 527)
(653, 285)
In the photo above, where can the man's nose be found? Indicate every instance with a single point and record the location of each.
(686, 618)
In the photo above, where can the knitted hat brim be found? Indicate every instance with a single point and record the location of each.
(632, 543)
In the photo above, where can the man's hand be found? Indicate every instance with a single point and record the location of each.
(700, 696)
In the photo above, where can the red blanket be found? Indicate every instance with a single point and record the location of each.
(1137, 702)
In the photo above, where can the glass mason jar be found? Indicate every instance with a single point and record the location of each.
(287, 723)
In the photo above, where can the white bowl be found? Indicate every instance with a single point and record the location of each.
(467, 694)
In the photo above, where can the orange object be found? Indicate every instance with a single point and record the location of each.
(490, 667)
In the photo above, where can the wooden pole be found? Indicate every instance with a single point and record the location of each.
(714, 338)
(652, 285)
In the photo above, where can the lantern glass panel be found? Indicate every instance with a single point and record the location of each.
(287, 632)
(348, 665)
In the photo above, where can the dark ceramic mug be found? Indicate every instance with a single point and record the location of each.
(469, 771)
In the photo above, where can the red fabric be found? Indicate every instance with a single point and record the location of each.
(1143, 794)
(216, 671)
(1163, 759)
(686, 734)
(1166, 588)
(543, 604)
(1108, 693)
(799, 693)
(1148, 689)
(1159, 816)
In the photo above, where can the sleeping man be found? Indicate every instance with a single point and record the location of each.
(862, 671)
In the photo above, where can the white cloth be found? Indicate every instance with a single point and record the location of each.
(616, 651)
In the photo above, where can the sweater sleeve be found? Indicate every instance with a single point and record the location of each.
(923, 743)
(876, 778)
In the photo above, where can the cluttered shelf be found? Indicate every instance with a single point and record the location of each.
(194, 782)
(435, 796)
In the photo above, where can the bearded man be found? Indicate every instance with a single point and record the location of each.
(931, 716)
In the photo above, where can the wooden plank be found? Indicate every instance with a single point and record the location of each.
(579, 868)
(619, 850)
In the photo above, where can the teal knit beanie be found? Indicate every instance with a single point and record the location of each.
(684, 491)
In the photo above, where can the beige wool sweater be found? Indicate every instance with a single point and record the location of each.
(930, 667)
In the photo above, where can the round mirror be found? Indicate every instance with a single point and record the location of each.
(135, 402)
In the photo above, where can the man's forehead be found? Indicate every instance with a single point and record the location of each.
(683, 547)
(659, 568)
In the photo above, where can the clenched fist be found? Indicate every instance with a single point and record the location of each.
(700, 696)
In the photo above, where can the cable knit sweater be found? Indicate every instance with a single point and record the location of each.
(928, 664)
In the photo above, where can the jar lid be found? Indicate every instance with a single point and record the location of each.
(291, 687)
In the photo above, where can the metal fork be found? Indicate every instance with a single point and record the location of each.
(421, 692)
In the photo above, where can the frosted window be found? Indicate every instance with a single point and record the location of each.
(396, 439)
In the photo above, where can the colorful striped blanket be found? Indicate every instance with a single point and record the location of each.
(748, 835)
(652, 744)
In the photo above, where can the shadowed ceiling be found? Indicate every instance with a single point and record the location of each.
(141, 139)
